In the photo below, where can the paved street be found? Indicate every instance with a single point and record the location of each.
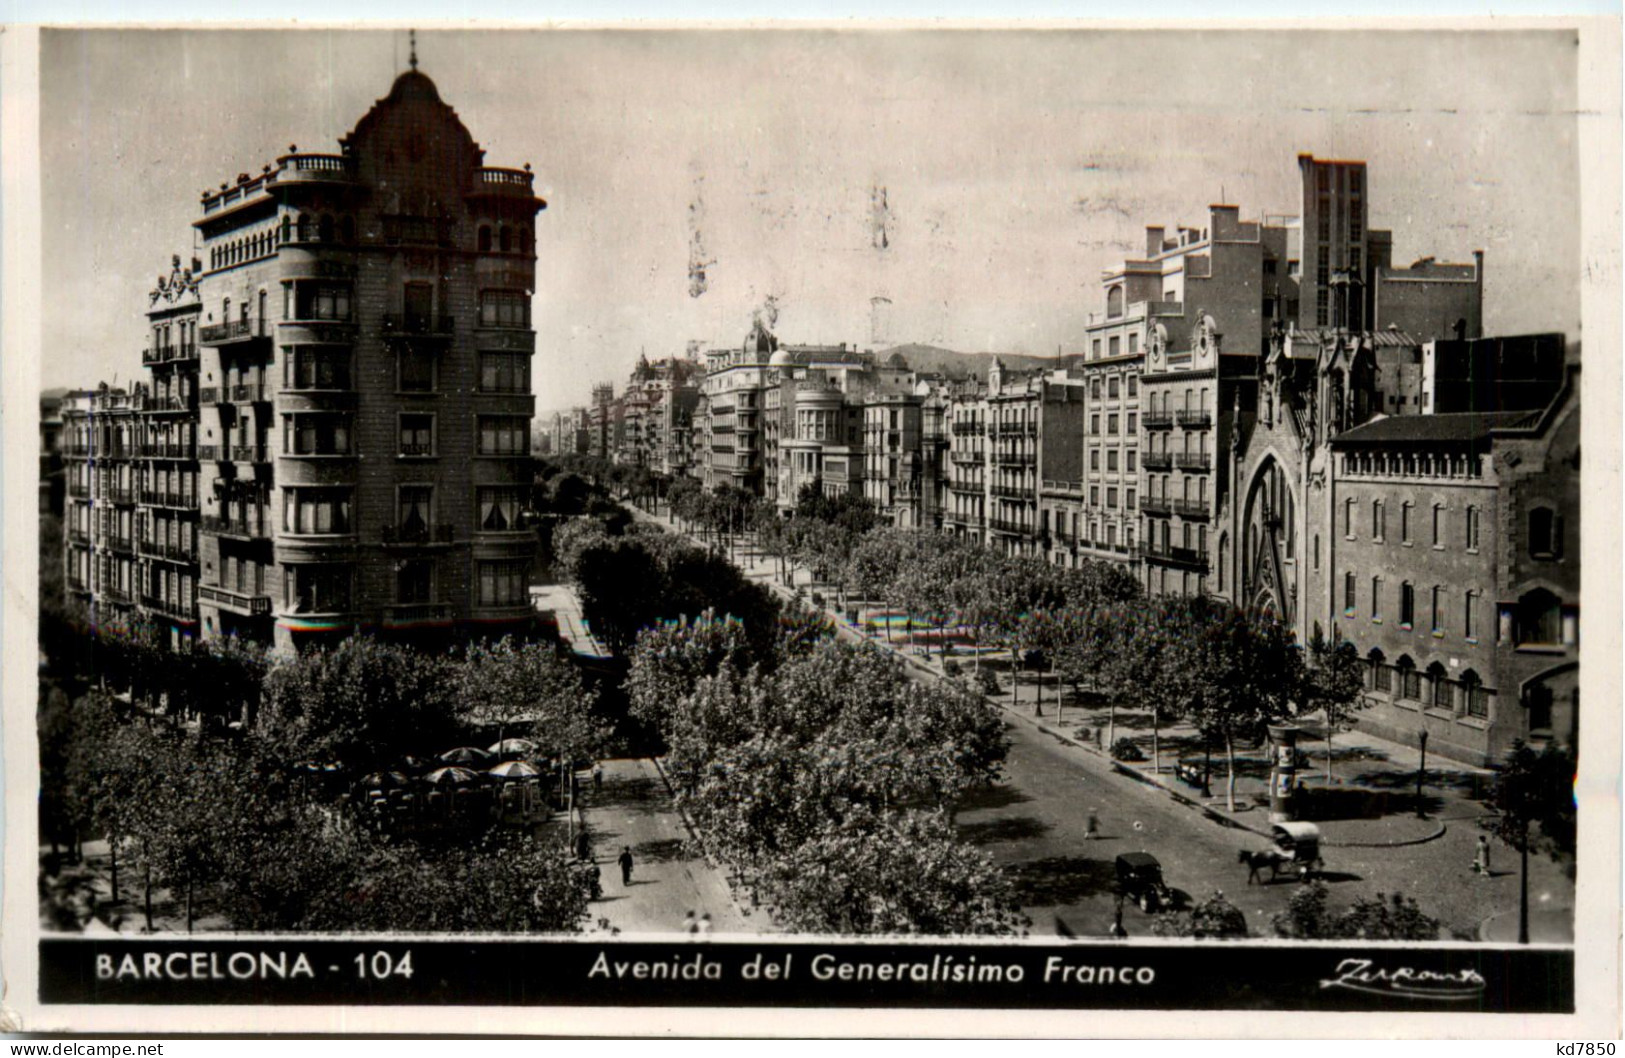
(635, 809)
(1034, 823)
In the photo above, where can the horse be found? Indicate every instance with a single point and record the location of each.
(1256, 861)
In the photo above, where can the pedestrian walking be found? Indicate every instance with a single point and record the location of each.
(582, 845)
(626, 865)
(597, 777)
(690, 924)
(705, 926)
(1092, 828)
(1481, 857)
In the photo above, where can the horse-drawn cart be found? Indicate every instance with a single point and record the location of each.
(1295, 850)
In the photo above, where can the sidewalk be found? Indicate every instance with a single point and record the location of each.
(560, 601)
(635, 810)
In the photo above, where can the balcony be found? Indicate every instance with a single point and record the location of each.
(967, 429)
(1175, 556)
(494, 181)
(413, 325)
(165, 549)
(1199, 461)
(181, 611)
(1017, 459)
(232, 331)
(416, 451)
(249, 454)
(237, 601)
(115, 594)
(124, 495)
(965, 458)
(1195, 418)
(1012, 492)
(1157, 420)
(78, 536)
(402, 614)
(418, 535)
(157, 498)
(79, 490)
(214, 395)
(1156, 505)
(1191, 508)
(168, 450)
(166, 404)
(1008, 525)
(122, 544)
(210, 453)
(250, 392)
(1017, 429)
(1157, 460)
(237, 528)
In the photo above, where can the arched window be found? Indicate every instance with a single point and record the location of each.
(505, 239)
(304, 228)
(524, 241)
(1410, 681)
(287, 228)
(1438, 687)
(1381, 675)
(1114, 302)
(1539, 619)
(485, 238)
(1475, 700)
(1224, 557)
(325, 228)
(1545, 533)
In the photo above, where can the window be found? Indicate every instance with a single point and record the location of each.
(485, 238)
(1111, 459)
(1094, 349)
(1376, 599)
(1094, 424)
(1475, 700)
(319, 589)
(1111, 498)
(1348, 594)
(417, 303)
(502, 583)
(415, 370)
(1472, 529)
(1114, 346)
(1381, 675)
(1545, 533)
(314, 368)
(1410, 681)
(321, 301)
(1437, 605)
(1407, 605)
(1133, 387)
(1133, 345)
(316, 511)
(1378, 520)
(414, 582)
(508, 373)
(1094, 389)
(1469, 616)
(1094, 459)
(414, 511)
(1438, 525)
(316, 435)
(504, 308)
(1094, 495)
(1130, 457)
(1317, 552)
(1405, 522)
(1439, 688)
(417, 434)
(1111, 425)
(1128, 499)
(1538, 620)
(504, 435)
(1348, 518)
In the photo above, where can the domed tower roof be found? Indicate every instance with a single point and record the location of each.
(781, 359)
(413, 85)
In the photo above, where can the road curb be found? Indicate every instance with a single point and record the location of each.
(694, 835)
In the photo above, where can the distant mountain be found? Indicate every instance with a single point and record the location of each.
(954, 364)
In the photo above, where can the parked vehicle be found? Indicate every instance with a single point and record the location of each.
(1296, 850)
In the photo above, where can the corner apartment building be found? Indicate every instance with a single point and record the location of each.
(335, 434)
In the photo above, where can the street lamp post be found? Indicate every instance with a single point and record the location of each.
(1421, 772)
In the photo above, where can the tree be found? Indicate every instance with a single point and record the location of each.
(1533, 797)
(1386, 918)
(1334, 683)
(907, 874)
(364, 703)
(1214, 917)
(1241, 668)
(669, 661)
(511, 683)
(1138, 648)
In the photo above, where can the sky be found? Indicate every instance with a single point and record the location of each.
(1016, 167)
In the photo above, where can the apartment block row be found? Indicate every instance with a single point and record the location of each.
(334, 430)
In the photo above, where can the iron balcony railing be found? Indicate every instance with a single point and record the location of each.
(1197, 461)
(231, 331)
(412, 324)
(1183, 556)
(1157, 460)
(1153, 420)
(255, 528)
(1195, 418)
(245, 602)
(1156, 505)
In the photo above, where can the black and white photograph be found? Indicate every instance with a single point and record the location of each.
(1077, 519)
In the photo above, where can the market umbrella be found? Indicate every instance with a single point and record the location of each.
(514, 769)
(465, 755)
(414, 764)
(383, 780)
(511, 748)
(451, 777)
